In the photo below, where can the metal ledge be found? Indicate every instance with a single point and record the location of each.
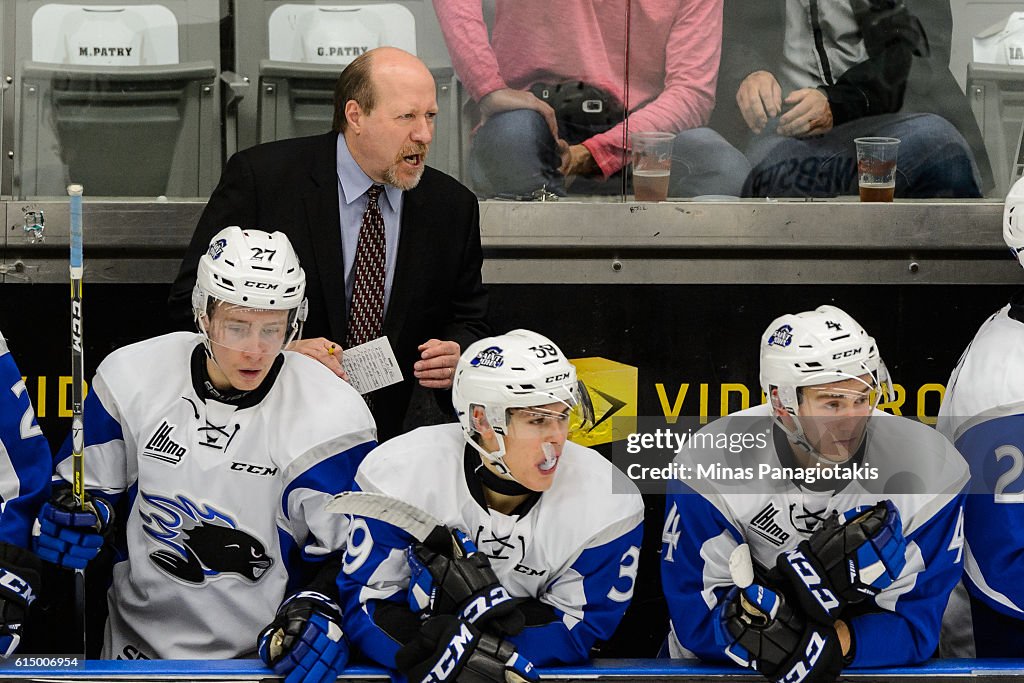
(743, 242)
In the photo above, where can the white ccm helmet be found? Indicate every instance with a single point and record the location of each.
(822, 346)
(1013, 220)
(521, 369)
(251, 269)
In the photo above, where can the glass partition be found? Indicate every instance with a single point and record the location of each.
(822, 74)
(120, 97)
(578, 100)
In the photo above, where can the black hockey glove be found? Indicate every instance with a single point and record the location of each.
(70, 536)
(19, 585)
(447, 648)
(305, 643)
(449, 576)
(758, 630)
(851, 557)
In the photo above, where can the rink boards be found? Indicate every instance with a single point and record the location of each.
(619, 670)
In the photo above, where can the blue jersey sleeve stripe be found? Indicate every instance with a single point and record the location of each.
(691, 522)
(26, 486)
(992, 529)
(100, 427)
(332, 475)
(608, 574)
(371, 542)
(911, 633)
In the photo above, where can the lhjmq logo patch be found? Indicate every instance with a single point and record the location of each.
(162, 446)
(201, 542)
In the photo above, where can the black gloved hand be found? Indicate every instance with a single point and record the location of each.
(19, 586)
(851, 557)
(447, 648)
(758, 630)
(449, 576)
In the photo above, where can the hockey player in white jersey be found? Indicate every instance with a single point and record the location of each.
(557, 529)
(983, 414)
(852, 518)
(223, 450)
(25, 465)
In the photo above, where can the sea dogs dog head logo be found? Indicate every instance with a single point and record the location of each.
(202, 543)
(782, 336)
(491, 357)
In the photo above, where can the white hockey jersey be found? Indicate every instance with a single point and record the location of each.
(983, 414)
(707, 517)
(225, 502)
(575, 552)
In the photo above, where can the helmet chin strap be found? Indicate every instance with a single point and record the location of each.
(207, 344)
(497, 458)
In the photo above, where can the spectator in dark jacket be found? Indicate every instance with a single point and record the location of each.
(824, 72)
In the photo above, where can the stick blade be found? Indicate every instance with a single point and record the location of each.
(417, 522)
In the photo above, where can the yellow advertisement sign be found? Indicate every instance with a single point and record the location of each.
(613, 391)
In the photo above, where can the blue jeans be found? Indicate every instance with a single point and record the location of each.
(933, 160)
(513, 154)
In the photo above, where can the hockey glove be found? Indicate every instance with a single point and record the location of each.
(305, 643)
(758, 630)
(447, 648)
(19, 585)
(449, 576)
(852, 557)
(70, 536)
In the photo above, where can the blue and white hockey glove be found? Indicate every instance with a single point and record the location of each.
(447, 648)
(758, 630)
(449, 576)
(852, 557)
(70, 536)
(19, 585)
(305, 642)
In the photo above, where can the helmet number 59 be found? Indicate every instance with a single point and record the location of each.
(544, 350)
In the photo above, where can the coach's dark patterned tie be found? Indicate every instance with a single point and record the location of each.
(366, 315)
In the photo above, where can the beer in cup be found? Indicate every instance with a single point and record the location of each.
(652, 165)
(876, 168)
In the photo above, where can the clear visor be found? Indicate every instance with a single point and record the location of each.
(252, 331)
(872, 384)
(559, 418)
(833, 417)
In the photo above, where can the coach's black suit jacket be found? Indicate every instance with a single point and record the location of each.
(292, 186)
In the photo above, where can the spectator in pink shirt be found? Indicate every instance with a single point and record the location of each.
(544, 59)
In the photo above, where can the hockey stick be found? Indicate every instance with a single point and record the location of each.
(741, 567)
(418, 523)
(77, 387)
(77, 351)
